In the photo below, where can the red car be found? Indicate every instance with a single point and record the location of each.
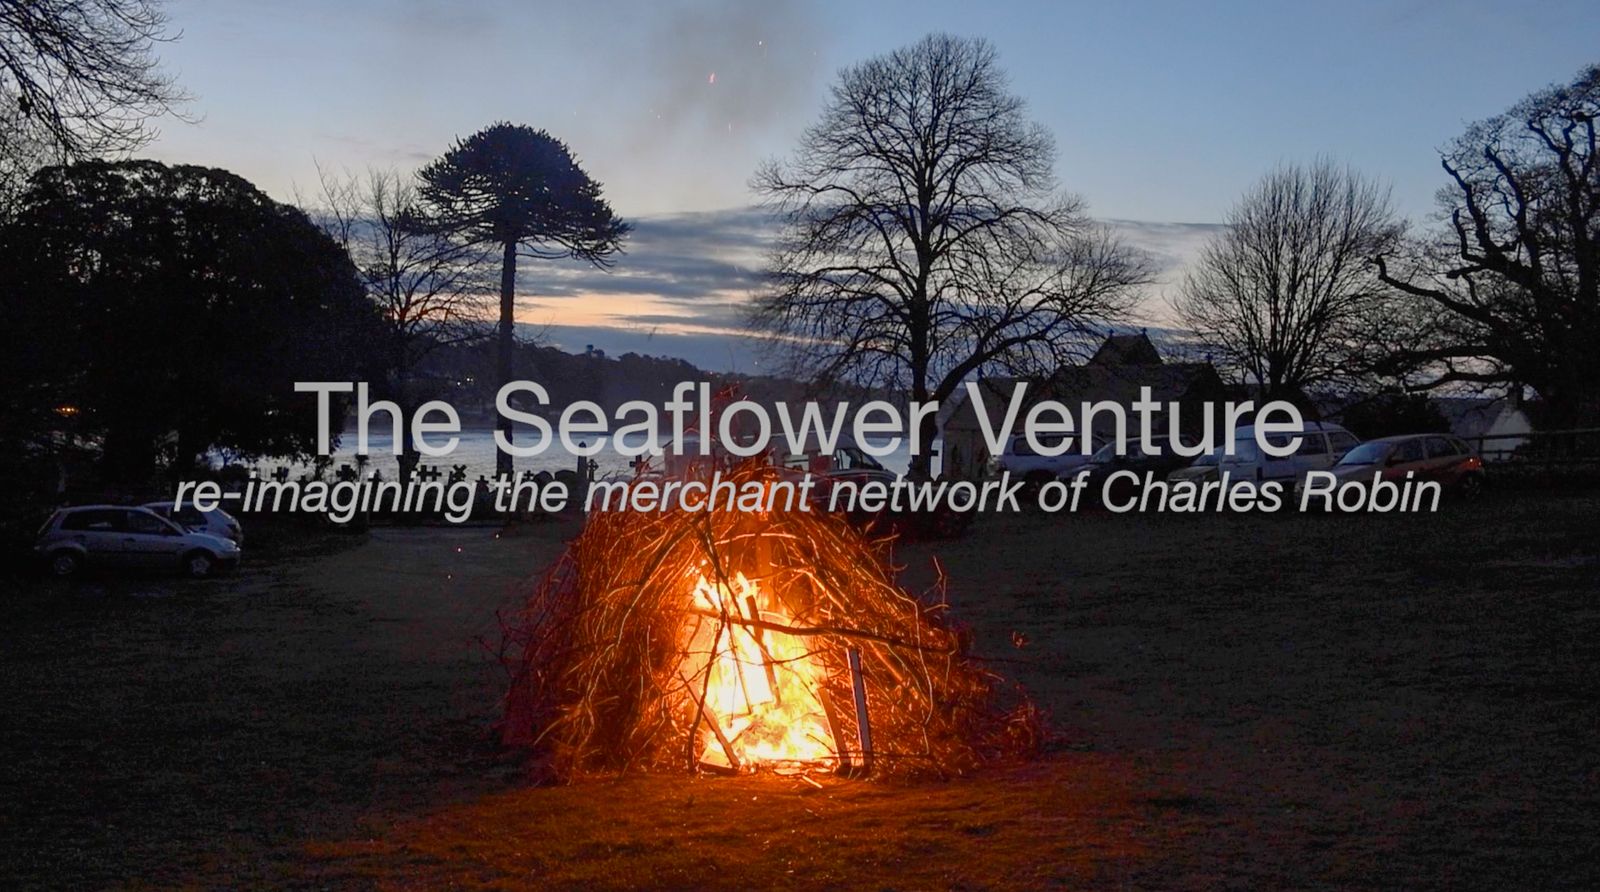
(1438, 457)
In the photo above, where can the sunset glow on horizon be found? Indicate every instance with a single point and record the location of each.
(673, 107)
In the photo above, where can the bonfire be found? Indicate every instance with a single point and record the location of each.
(735, 642)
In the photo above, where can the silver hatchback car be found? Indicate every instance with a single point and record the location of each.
(122, 536)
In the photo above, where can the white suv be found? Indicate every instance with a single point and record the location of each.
(1322, 444)
(1021, 461)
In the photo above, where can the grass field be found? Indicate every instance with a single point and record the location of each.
(1383, 702)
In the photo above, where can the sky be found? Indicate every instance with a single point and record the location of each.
(1163, 113)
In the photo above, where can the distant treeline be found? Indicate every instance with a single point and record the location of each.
(464, 376)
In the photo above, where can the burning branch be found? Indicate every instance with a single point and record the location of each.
(749, 641)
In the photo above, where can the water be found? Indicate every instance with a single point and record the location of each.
(476, 452)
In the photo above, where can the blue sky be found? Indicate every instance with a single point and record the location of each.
(1163, 112)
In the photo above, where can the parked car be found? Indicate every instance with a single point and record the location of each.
(1442, 458)
(849, 464)
(1322, 445)
(215, 522)
(123, 536)
(1160, 461)
(1021, 461)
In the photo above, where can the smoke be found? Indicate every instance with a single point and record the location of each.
(727, 70)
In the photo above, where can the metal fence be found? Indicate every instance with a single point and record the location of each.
(1540, 448)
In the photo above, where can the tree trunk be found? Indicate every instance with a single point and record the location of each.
(922, 464)
(921, 467)
(1572, 404)
(186, 452)
(128, 456)
(409, 457)
(506, 349)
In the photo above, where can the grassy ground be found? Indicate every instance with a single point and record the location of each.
(1403, 701)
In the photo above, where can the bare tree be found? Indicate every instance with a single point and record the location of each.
(1287, 292)
(80, 77)
(429, 285)
(20, 155)
(922, 237)
(1516, 273)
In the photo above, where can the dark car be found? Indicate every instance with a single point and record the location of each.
(1160, 460)
(850, 466)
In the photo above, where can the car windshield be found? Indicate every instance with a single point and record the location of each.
(1243, 450)
(844, 458)
(1107, 453)
(850, 458)
(1365, 454)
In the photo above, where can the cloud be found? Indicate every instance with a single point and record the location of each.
(727, 317)
(1170, 246)
(690, 259)
(682, 288)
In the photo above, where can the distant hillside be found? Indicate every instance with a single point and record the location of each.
(464, 376)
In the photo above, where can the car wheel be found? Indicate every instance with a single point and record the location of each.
(1470, 486)
(199, 564)
(65, 563)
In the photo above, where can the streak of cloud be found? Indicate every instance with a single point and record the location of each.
(682, 288)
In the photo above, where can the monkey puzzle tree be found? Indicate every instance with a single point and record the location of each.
(521, 190)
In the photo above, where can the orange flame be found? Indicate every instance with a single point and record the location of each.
(761, 686)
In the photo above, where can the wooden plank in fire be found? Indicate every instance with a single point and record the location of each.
(836, 732)
(753, 611)
(858, 685)
(704, 714)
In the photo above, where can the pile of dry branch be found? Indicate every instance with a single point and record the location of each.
(598, 655)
